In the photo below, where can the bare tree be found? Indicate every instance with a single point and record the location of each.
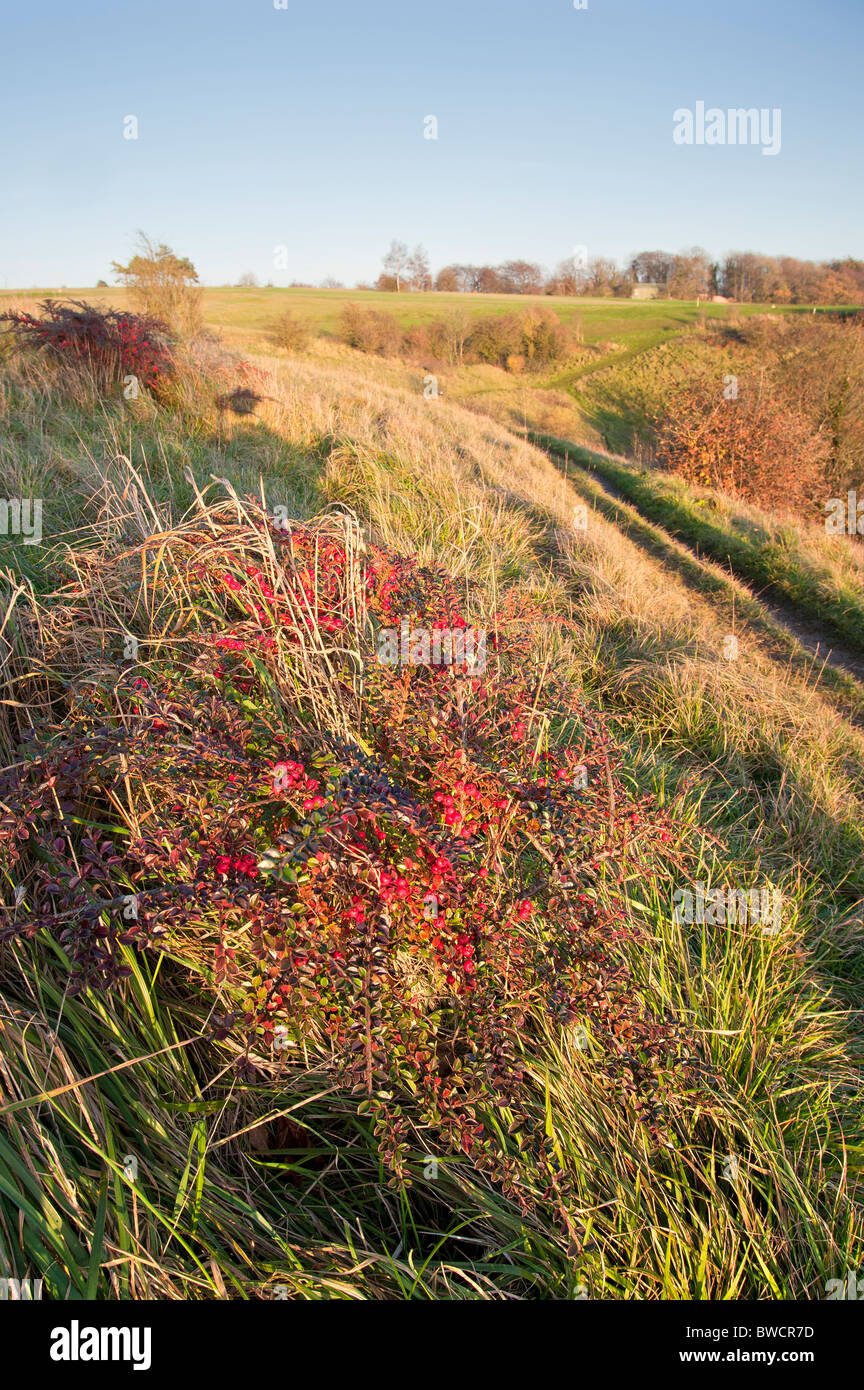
(396, 262)
(455, 329)
(691, 274)
(571, 277)
(601, 276)
(521, 277)
(418, 269)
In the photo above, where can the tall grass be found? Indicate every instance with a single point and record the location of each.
(821, 575)
(249, 1190)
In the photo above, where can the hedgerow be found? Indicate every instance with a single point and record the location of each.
(534, 338)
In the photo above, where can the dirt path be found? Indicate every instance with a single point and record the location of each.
(802, 643)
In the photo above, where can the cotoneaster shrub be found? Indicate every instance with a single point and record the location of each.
(107, 344)
(391, 872)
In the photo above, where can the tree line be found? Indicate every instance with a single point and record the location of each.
(744, 276)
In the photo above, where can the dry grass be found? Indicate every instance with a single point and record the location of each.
(776, 783)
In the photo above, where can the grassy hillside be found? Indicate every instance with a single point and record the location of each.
(742, 1179)
(819, 576)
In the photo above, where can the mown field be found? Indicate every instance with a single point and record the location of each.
(236, 310)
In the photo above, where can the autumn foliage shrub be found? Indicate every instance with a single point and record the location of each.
(529, 340)
(370, 330)
(164, 285)
(494, 338)
(290, 333)
(544, 339)
(754, 446)
(405, 895)
(821, 367)
(107, 344)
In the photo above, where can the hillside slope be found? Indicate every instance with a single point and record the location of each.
(750, 1188)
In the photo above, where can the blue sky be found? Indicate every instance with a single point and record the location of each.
(303, 127)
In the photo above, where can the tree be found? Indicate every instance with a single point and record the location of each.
(571, 277)
(447, 280)
(451, 333)
(418, 269)
(396, 262)
(469, 277)
(749, 278)
(691, 274)
(652, 267)
(163, 284)
(489, 281)
(602, 276)
(522, 277)
(247, 280)
(851, 273)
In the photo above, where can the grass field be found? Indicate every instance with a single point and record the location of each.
(234, 310)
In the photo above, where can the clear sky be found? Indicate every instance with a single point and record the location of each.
(303, 127)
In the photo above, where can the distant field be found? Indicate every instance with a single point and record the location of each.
(633, 323)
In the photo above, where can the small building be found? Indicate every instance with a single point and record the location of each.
(645, 289)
